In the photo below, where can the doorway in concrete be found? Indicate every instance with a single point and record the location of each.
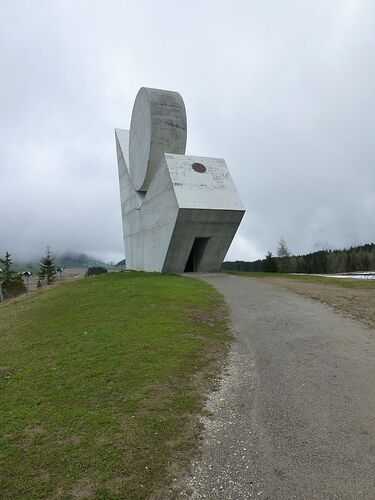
(196, 254)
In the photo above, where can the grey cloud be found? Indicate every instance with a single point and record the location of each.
(282, 90)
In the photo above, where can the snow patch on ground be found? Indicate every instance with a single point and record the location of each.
(356, 276)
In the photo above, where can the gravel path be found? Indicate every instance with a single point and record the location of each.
(295, 414)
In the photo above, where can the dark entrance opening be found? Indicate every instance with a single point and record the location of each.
(196, 253)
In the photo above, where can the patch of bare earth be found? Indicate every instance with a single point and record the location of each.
(84, 488)
(357, 303)
(34, 431)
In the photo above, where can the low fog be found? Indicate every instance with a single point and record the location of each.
(284, 91)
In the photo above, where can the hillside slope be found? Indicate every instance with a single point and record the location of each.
(100, 383)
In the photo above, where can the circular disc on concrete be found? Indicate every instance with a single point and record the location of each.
(158, 126)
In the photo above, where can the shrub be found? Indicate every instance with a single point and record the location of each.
(92, 271)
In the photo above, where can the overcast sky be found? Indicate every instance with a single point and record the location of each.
(284, 91)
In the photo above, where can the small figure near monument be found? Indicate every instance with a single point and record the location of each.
(180, 213)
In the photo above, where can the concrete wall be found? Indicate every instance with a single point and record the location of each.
(169, 200)
(219, 226)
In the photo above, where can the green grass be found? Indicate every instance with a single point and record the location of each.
(99, 384)
(344, 282)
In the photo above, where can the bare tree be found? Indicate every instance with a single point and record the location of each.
(282, 249)
(284, 256)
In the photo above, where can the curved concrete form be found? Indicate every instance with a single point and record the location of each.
(180, 213)
(158, 126)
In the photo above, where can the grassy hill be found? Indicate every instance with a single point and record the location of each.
(100, 384)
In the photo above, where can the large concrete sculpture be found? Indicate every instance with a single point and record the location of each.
(180, 213)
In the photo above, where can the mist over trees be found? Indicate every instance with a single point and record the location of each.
(360, 258)
(66, 260)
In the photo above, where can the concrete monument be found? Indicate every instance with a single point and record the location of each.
(180, 213)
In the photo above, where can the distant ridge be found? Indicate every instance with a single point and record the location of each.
(359, 258)
(67, 260)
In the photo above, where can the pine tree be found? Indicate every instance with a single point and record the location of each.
(6, 264)
(269, 264)
(12, 282)
(365, 262)
(47, 270)
(349, 262)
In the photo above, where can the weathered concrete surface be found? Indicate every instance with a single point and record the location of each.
(295, 415)
(158, 125)
(179, 212)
